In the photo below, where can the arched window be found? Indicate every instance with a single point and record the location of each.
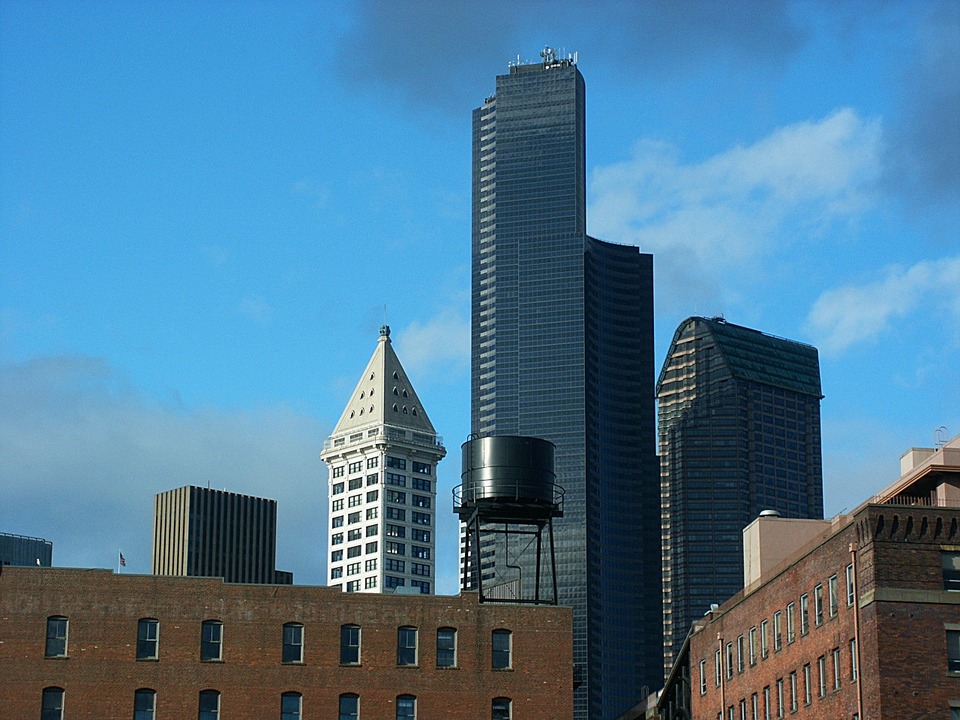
(349, 706)
(502, 650)
(406, 707)
(148, 639)
(52, 704)
(57, 629)
(144, 704)
(502, 709)
(291, 706)
(349, 644)
(446, 647)
(209, 708)
(292, 643)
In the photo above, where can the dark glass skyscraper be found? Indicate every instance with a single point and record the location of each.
(739, 428)
(562, 348)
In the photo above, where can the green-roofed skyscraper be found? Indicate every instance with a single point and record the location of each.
(739, 427)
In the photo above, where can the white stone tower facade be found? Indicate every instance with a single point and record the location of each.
(382, 484)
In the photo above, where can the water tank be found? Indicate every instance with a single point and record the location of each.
(502, 468)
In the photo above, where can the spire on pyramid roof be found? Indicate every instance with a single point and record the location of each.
(384, 395)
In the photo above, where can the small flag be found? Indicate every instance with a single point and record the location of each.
(123, 560)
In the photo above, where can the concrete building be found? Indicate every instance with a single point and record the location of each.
(861, 620)
(200, 532)
(382, 459)
(562, 349)
(739, 426)
(25, 550)
(91, 644)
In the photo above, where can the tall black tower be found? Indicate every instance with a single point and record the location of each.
(562, 349)
(739, 434)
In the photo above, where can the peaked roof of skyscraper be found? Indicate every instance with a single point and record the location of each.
(754, 355)
(384, 395)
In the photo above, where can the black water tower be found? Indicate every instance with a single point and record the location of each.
(508, 491)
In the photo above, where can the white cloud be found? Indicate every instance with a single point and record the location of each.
(439, 346)
(82, 454)
(707, 220)
(851, 314)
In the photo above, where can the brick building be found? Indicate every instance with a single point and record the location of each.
(89, 643)
(861, 619)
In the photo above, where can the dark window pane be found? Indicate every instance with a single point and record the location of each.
(148, 636)
(144, 704)
(350, 645)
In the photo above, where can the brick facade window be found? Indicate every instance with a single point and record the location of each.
(57, 631)
(703, 677)
(950, 562)
(818, 605)
(209, 708)
(148, 639)
(851, 590)
(777, 631)
(144, 704)
(51, 707)
(211, 641)
(836, 668)
(832, 593)
(349, 644)
(953, 651)
(791, 627)
(804, 614)
(501, 650)
(292, 643)
(291, 706)
(854, 673)
(502, 708)
(406, 707)
(349, 706)
(446, 647)
(822, 674)
(764, 644)
(407, 646)
(752, 646)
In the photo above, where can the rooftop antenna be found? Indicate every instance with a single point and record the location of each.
(940, 437)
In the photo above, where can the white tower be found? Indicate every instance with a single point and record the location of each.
(382, 458)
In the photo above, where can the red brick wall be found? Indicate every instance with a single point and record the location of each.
(903, 660)
(101, 672)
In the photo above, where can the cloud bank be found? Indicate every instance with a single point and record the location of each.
(851, 314)
(82, 454)
(468, 42)
(711, 223)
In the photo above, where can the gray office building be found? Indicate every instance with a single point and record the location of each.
(24, 550)
(562, 349)
(739, 425)
(199, 532)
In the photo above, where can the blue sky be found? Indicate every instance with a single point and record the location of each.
(207, 210)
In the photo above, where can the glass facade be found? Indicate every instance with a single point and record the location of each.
(739, 424)
(562, 349)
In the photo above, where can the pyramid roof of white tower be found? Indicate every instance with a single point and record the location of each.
(384, 395)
